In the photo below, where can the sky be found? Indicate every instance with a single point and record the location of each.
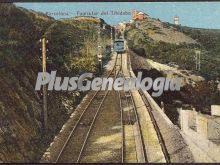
(192, 14)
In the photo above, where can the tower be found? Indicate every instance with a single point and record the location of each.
(176, 20)
(134, 14)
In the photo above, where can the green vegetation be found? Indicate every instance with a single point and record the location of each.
(72, 49)
(210, 41)
(181, 53)
(73, 44)
(20, 107)
(205, 93)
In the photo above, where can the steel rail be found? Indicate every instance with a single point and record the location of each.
(144, 155)
(86, 108)
(149, 108)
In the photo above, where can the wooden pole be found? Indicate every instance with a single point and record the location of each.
(44, 86)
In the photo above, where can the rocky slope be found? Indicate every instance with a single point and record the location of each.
(21, 136)
(158, 31)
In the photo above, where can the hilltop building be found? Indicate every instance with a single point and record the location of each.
(137, 15)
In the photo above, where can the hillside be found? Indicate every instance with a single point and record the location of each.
(157, 31)
(166, 43)
(21, 136)
(170, 51)
(210, 43)
(208, 38)
(73, 43)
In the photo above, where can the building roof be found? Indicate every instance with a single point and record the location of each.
(140, 13)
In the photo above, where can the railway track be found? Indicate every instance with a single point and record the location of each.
(149, 108)
(159, 135)
(132, 139)
(76, 142)
(77, 139)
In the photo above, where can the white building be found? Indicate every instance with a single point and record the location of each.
(176, 20)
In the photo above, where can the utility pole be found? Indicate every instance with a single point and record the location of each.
(198, 59)
(100, 48)
(115, 33)
(111, 40)
(99, 51)
(87, 50)
(44, 59)
(123, 27)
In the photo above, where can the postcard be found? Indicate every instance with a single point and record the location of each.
(110, 82)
